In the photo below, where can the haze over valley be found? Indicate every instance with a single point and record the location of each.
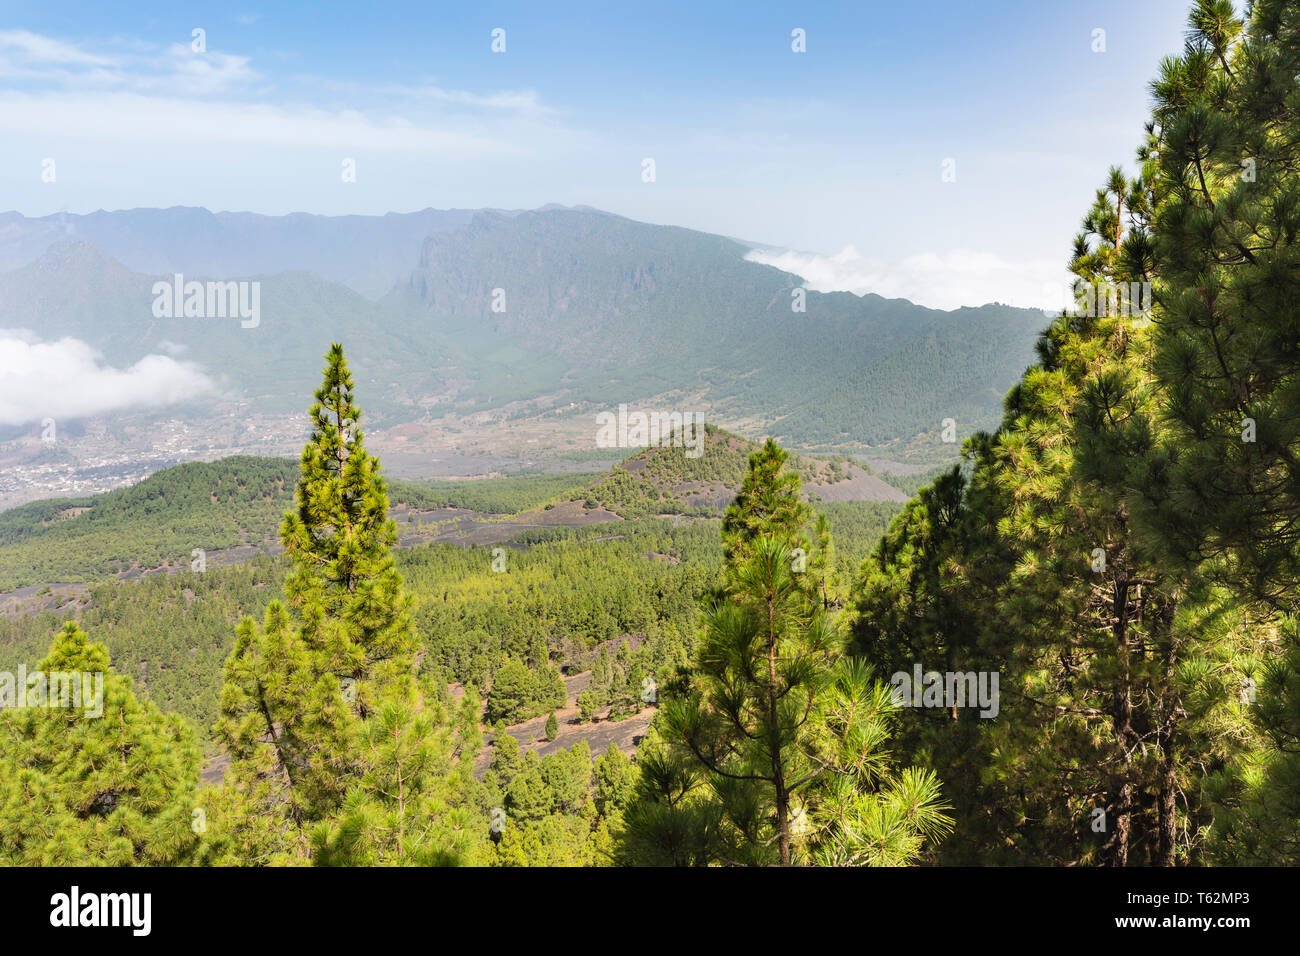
(487, 341)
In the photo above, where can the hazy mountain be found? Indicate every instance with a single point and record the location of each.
(597, 309)
(365, 253)
(75, 289)
(617, 310)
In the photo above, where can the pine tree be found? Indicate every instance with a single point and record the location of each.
(1118, 669)
(400, 811)
(588, 705)
(512, 694)
(774, 751)
(602, 677)
(329, 739)
(615, 781)
(1221, 159)
(344, 582)
(768, 503)
(669, 819)
(86, 783)
(552, 727)
(822, 564)
(286, 726)
(1223, 168)
(925, 595)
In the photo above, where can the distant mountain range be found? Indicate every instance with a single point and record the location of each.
(477, 310)
(365, 253)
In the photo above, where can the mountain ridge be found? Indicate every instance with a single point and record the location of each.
(566, 308)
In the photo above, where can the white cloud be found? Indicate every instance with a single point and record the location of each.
(515, 101)
(66, 379)
(158, 109)
(182, 71)
(132, 118)
(941, 281)
(34, 48)
(176, 70)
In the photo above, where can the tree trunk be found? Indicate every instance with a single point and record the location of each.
(1168, 791)
(1168, 762)
(778, 772)
(1123, 729)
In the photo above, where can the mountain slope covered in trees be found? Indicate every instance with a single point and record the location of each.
(236, 503)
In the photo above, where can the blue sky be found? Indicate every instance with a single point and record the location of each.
(835, 153)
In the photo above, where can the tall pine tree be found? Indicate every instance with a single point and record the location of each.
(330, 737)
(774, 750)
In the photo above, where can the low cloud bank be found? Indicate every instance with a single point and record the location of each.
(67, 379)
(939, 281)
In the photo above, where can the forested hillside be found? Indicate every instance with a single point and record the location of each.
(236, 503)
(568, 587)
(669, 479)
(211, 506)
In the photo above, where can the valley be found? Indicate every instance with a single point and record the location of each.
(458, 389)
(658, 514)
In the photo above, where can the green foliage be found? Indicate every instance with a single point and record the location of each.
(615, 781)
(588, 704)
(666, 480)
(567, 592)
(171, 633)
(343, 581)
(509, 495)
(231, 503)
(912, 482)
(660, 479)
(86, 785)
(557, 810)
(768, 504)
(400, 811)
(319, 711)
(1063, 558)
(772, 747)
(1225, 263)
(518, 693)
